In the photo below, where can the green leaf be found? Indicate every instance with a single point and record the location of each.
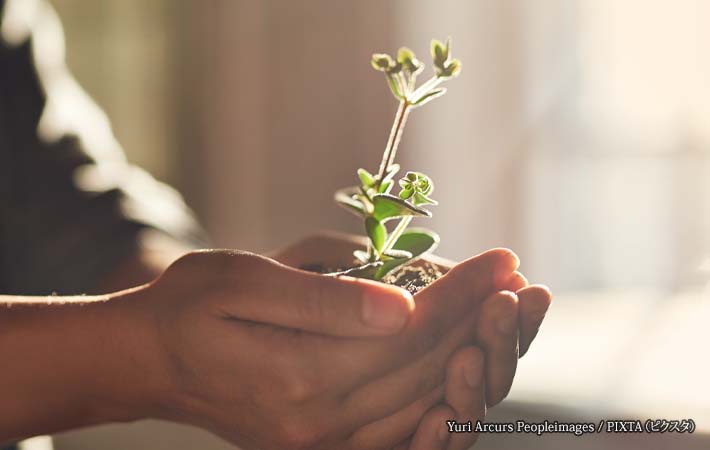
(394, 86)
(381, 62)
(416, 241)
(395, 69)
(409, 61)
(406, 193)
(398, 254)
(388, 266)
(389, 206)
(439, 52)
(377, 232)
(405, 54)
(344, 198)
(450, 69)
(386, 187)
(417, 186)
(429, 96)
(421, 199)
(365, 177)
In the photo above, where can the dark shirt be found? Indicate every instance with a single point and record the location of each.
(71, 207)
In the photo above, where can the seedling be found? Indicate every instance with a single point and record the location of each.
(372, 200)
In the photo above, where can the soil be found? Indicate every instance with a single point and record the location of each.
(411, 278)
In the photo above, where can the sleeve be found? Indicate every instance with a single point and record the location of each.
(71, 207)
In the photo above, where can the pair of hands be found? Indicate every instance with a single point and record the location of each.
(271, 357)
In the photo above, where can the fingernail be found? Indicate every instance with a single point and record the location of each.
(386, 312)
(472, 374)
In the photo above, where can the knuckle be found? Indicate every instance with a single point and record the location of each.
(297, 391)
(239, 263)
(300, 389)
(184, 264)
(470, 355)
(211, 264)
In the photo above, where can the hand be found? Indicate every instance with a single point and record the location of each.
(236, 343)
(508, 324)
(245, 359)
(526, 308)
(498, 336)
(239, 332)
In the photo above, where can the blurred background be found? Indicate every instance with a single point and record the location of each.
(578, 134)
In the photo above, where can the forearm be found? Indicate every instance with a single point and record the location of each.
(69, 362)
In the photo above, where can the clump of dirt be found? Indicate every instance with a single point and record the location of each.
(411, 278)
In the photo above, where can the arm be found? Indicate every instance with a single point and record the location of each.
(84, 360)
(58, 343)
(57, 373)
(252, 350)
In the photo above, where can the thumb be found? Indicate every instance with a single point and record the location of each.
(337, 306)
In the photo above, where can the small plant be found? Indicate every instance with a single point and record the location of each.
(372, 199)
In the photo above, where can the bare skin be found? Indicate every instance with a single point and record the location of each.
(478, 375)
(253, 350)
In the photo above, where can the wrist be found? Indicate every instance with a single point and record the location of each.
(132, 381)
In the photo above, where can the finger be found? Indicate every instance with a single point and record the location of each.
(466, 393)
(533, 304)
(448, 299)
(392, 430)
(497, 335)
(338, 306)
(393, 391)
(433, 432)
(516, 282)
(439, 307)
(404, 445)
(461, 290)
(491, 269)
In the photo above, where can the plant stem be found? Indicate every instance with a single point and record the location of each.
(426, 87)
(391, 150)
(393, 142)
(398, 126)
(396, 233)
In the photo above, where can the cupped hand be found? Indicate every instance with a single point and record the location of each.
(240, 335)
(508, 323)
(269, 356)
